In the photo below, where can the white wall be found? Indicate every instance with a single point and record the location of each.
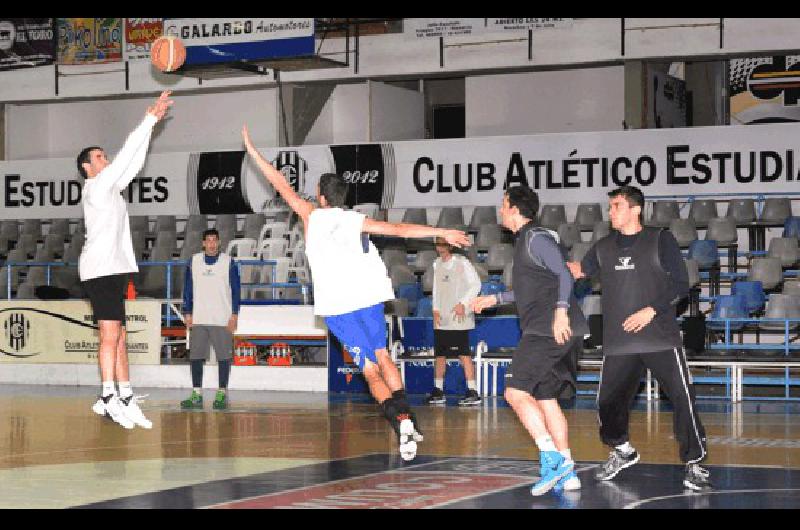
(351, 113)
(198, 122)
(367, 112)
(27, 133)
(396, 113)
(590, 99)
(343, 118)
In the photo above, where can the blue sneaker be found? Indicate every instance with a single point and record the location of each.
(569, 482)
(554, 467)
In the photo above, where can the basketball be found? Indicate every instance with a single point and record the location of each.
(167, 53)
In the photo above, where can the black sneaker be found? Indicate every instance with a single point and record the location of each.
(697, 478)
(471, 398)
(617, 461)
(436, 397)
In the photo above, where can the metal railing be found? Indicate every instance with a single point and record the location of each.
(760, 198)
(168, 300)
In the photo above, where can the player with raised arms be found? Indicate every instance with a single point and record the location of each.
(351, 284)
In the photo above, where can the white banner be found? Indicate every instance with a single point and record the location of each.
(514, 24)
(213, 31)
(34, 189)
(63, 332)
(564, 168)
(422, 28)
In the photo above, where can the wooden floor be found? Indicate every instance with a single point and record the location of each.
(55, 452)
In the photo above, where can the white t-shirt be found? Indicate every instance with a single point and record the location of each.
(454, 281)
(108, 248)
(346, 275)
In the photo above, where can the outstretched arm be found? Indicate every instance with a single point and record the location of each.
(300, 206)
(130, 158)
(454, 237)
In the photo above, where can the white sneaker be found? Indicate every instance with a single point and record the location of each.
(99, 407)
(572, 482)
(408, 447)
(111, 406)
(130, 407)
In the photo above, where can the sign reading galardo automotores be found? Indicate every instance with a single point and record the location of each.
(63, 332)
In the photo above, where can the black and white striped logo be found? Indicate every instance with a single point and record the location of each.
(17, 331)
(293, 167)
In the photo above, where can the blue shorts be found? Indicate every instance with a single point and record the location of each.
(361, 332)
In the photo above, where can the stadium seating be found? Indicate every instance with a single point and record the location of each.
(569, 234)
(742, 210)
(684, 231)
(776, 210)
(588, 215)
(483, 215)
(663, 213)
(701, 211)
(552, 216)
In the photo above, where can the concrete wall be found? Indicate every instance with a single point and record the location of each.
(198, 122)
(369, 112)
(588, 99)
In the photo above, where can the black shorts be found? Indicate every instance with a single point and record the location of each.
(543, 368)
(107, 296)
(451, 342)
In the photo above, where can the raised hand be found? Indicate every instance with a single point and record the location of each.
(161, 106)
(248, 143)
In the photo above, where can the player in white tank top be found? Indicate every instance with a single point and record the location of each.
(347, 281)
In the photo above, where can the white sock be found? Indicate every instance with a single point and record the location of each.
(545, 443)
(108, 389)
(472, 386)
(125, 389)
(625, 448)
(567, 454)
(439, 383)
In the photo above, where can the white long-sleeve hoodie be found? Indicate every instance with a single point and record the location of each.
(108, 249)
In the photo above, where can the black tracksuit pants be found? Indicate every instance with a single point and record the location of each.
(619, 381)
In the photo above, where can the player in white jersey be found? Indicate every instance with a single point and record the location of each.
(107, 259)
(351, 284)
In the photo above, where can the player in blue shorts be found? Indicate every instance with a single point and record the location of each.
(351, 284)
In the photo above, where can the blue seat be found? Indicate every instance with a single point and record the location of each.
(729, 306)
(753, 293)
(424, 308)
(411, 292)
(492, 288)
(704, 252)
(791, 227)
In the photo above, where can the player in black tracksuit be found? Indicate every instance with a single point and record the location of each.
(643, 276)
(544, 364)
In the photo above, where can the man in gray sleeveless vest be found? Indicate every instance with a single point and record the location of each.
(643, 277)
(211, 296)
(545, 361)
